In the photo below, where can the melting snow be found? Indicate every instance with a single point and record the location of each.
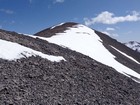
(84, 40)
(13, 51)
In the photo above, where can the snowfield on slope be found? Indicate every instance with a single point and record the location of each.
(84, 40)
(14, 51)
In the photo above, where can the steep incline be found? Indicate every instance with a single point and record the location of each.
(97, 46)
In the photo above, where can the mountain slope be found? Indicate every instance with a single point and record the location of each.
(133, 45)
(95, 45)
(77, 80)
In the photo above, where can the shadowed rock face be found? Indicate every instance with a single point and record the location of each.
(79, 80)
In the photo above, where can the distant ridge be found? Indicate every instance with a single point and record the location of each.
(133, 45)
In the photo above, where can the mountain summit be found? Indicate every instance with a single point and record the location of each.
(96, 45)
(67, 64)
(55, 29)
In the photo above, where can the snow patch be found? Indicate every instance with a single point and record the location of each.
(14, 51)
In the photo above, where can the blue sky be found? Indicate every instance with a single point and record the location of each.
(118, 18)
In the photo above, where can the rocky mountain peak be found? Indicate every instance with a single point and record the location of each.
(48, 32)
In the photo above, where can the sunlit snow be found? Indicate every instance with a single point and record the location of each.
(84, 40)
(13, 51)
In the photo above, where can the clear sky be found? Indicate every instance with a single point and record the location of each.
(119, 18)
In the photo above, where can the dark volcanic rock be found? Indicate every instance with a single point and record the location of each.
(30, 81)
(79, 80)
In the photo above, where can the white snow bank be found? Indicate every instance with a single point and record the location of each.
(84, 40)
(13, 51)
